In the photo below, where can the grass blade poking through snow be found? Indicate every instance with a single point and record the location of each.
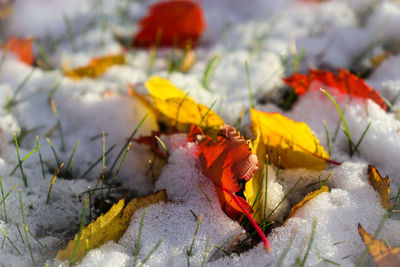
(189, 251)
(9, 240)
(137, 249)
(58, 123)
(352, 147)
(115, 177)
(314, 226)
(4, 197)
(78, 240)
(96, 162)
(56, 172)
(20, 162)
(126, 144)
(24, 224)
(71, 157)
(54, 151)
(151, 252)
(347, 132)
(206, 114)
(40, 157)
(13, 100)
(285, 251)
(252, 102)
(209, 71)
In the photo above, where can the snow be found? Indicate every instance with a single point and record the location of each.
(269, 35)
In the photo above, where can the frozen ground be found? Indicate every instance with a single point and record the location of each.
(268, 34)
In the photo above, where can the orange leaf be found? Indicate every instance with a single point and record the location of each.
(307, 198)
(381, 185)
(22, 48)
(382, 254)
(96, 67)
(227, 161)
(171, 23)
(344, 82)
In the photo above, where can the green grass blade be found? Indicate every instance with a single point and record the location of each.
(347, 132)
(26, 232)
(78, 240)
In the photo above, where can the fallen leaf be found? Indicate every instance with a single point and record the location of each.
(381, 185)
(96, 67)
(109, 226)
(227, 161)
(382, 254)
(344, 82)
(171, 23)
(177, 109)
(22, 48)
(292, 142)
(307, 198)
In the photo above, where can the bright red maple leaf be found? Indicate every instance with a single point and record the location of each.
(344, 82)
(171, 23)
(22, 48)
(226, 161)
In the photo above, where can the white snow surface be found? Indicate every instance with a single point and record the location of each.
(270, 35)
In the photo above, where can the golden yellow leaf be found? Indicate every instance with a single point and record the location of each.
(96, 67)
(381, 185)
(252, 187)
(292, 142)
(109, 226)
(307, 198)
(178, 109)
(382, 254)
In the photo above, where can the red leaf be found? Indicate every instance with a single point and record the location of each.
(22, 48)
(226, 161)
(173, 23)
(344, 82)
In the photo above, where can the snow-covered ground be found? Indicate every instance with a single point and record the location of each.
(268, 34)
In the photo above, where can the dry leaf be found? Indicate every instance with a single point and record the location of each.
(171, 23)
(381, 185)
(22, 48)
(307, 198)
(292, 142)
(109, 226)
(382, 254)
(96, 67)
(177, 109)
(344, 82)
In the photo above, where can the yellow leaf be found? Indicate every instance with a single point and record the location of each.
(96, 67)
(178, 109)
(381, 185)
(307, 198)
(109, 226)
(292, 142)
(382, 254)
(254, 190)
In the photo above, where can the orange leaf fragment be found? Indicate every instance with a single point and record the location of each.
(171, 23)
(382, 254)
(307, 198)
(227, 161)
(381, 185)
(22, 48)
(96, 67)
(344, 82)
